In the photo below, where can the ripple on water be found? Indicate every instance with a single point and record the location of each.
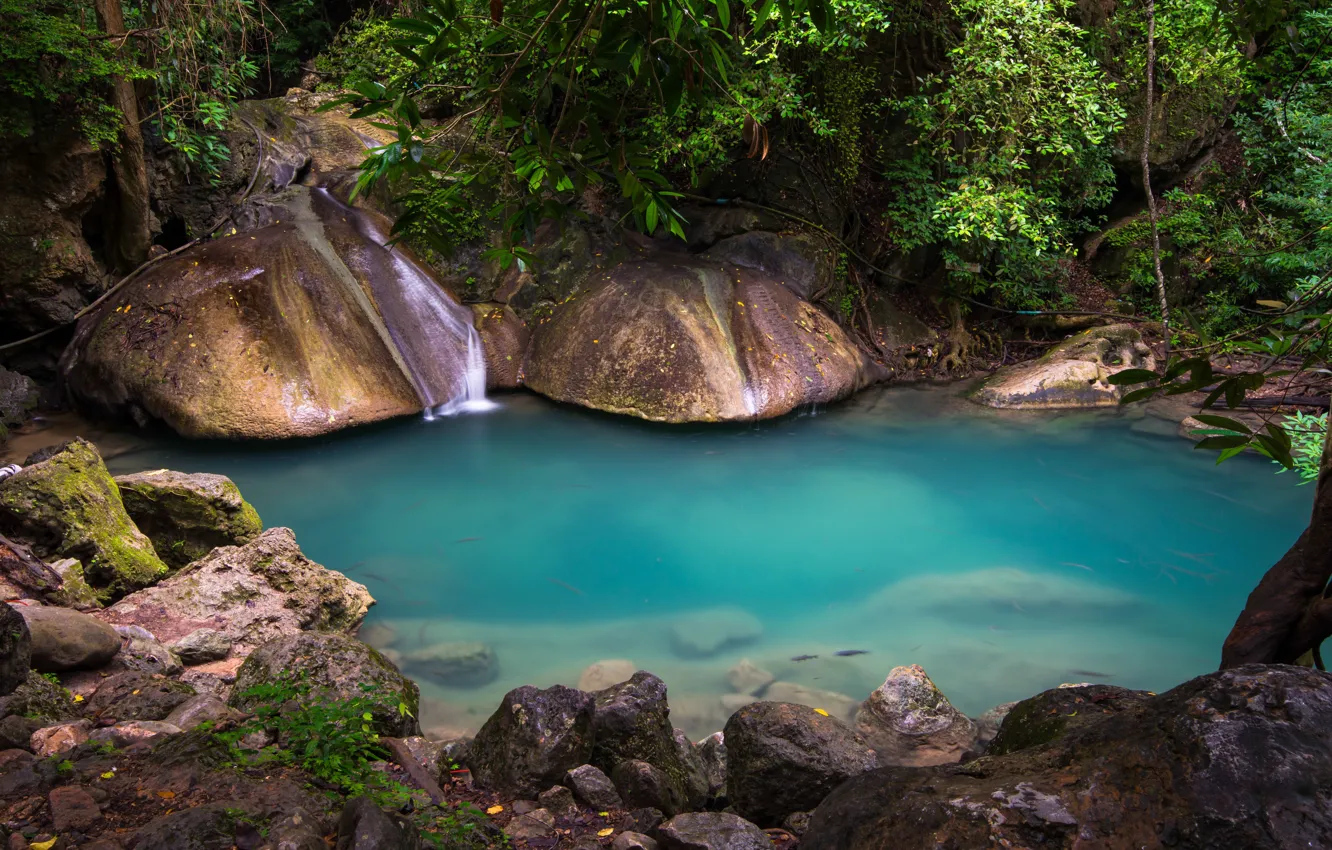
(1006, 553)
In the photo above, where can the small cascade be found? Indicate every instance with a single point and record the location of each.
(433, 332)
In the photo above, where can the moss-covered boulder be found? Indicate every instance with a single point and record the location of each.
(1050, 715)
(68, 506)
(1073, 374)
(188, 515)
(332, 668)
(680, 338)
(254, 593)
(41, 699)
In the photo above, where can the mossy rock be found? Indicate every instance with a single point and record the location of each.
(186, 516)
(1050, 715)
(69, 507)
(41, 699)
(334, 668)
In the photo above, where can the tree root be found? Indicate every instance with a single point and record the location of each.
(958, 346)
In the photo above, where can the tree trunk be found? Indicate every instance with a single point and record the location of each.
(131, 232)
(1147, 175)
(1288, 613)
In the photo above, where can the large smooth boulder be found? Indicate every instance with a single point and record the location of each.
(679, 338)
(250, 594)
(783, 758)
(632, 723)
(68, 640)
(909, 721)
(68, 506)
(275, 332)
(188, 515)
(15, 650)
(1239, 758)
(711, 831)
(1073, 374)
(532, 740)
(332, 667)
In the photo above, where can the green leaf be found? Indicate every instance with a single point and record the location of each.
(724, 13)
(1222, 442)
(1139, 395)
(650, 217)
(1222, 422)
(1131, 376)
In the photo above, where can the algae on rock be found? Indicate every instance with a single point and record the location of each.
(68, 506)
(188, 515)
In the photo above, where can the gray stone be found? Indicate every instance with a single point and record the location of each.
(533, 739)
(459, 664)
(68, 640)
(333, 667)
(202, 645)
(297, 830)
(15, 650)
(137, 696)
(1072, 374)
(73, 808)
(16, 732)
(557, 799)
(18, 396)
(593, 787)
(711, 831)
(632, 722)
(909, 721)
(527, 825)
(642, 785)
(987, 725)
(746, 677)
(254, 593)
(712, 752)
(127, 733)
(149, 656)
(783, 758)
(41, 699)
(211, 826)
(201, 708)
(59, 738)
(365, 826)
(633, 841)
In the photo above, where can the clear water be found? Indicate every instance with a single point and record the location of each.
(1005, 553)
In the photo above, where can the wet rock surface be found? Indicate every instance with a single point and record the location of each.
(533, 739)
(783, 758)
(1239, 758)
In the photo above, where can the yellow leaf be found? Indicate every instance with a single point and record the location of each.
(43, 845)
(166, 795)
(134, 692)
(820, 711)
(78, 697)
(110, 774)
(494, 810)
(602, 833)
(604, 814)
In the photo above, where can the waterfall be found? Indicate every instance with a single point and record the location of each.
(433, 332)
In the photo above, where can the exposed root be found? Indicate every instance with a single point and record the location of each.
(958, 345)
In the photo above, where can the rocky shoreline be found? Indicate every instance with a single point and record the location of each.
(168, 667)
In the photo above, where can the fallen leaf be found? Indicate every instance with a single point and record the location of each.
(602, 833)
(820, 711)
(494, 810)
(607, 814)
(78, 697)
(166, 795)
(44, 845)
(110, 774)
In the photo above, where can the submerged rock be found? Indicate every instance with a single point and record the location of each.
(68, 506)
(1239, 758)
(532, 740)
(1072, 374)
(460, 664)
(604, 674)
(332, 667)
(250, 594)
(15, 650)
(783, 758)
(68, 640)
(188, 515)
(746, 677)
(679, 338)
(909, 721)
(702, 634)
